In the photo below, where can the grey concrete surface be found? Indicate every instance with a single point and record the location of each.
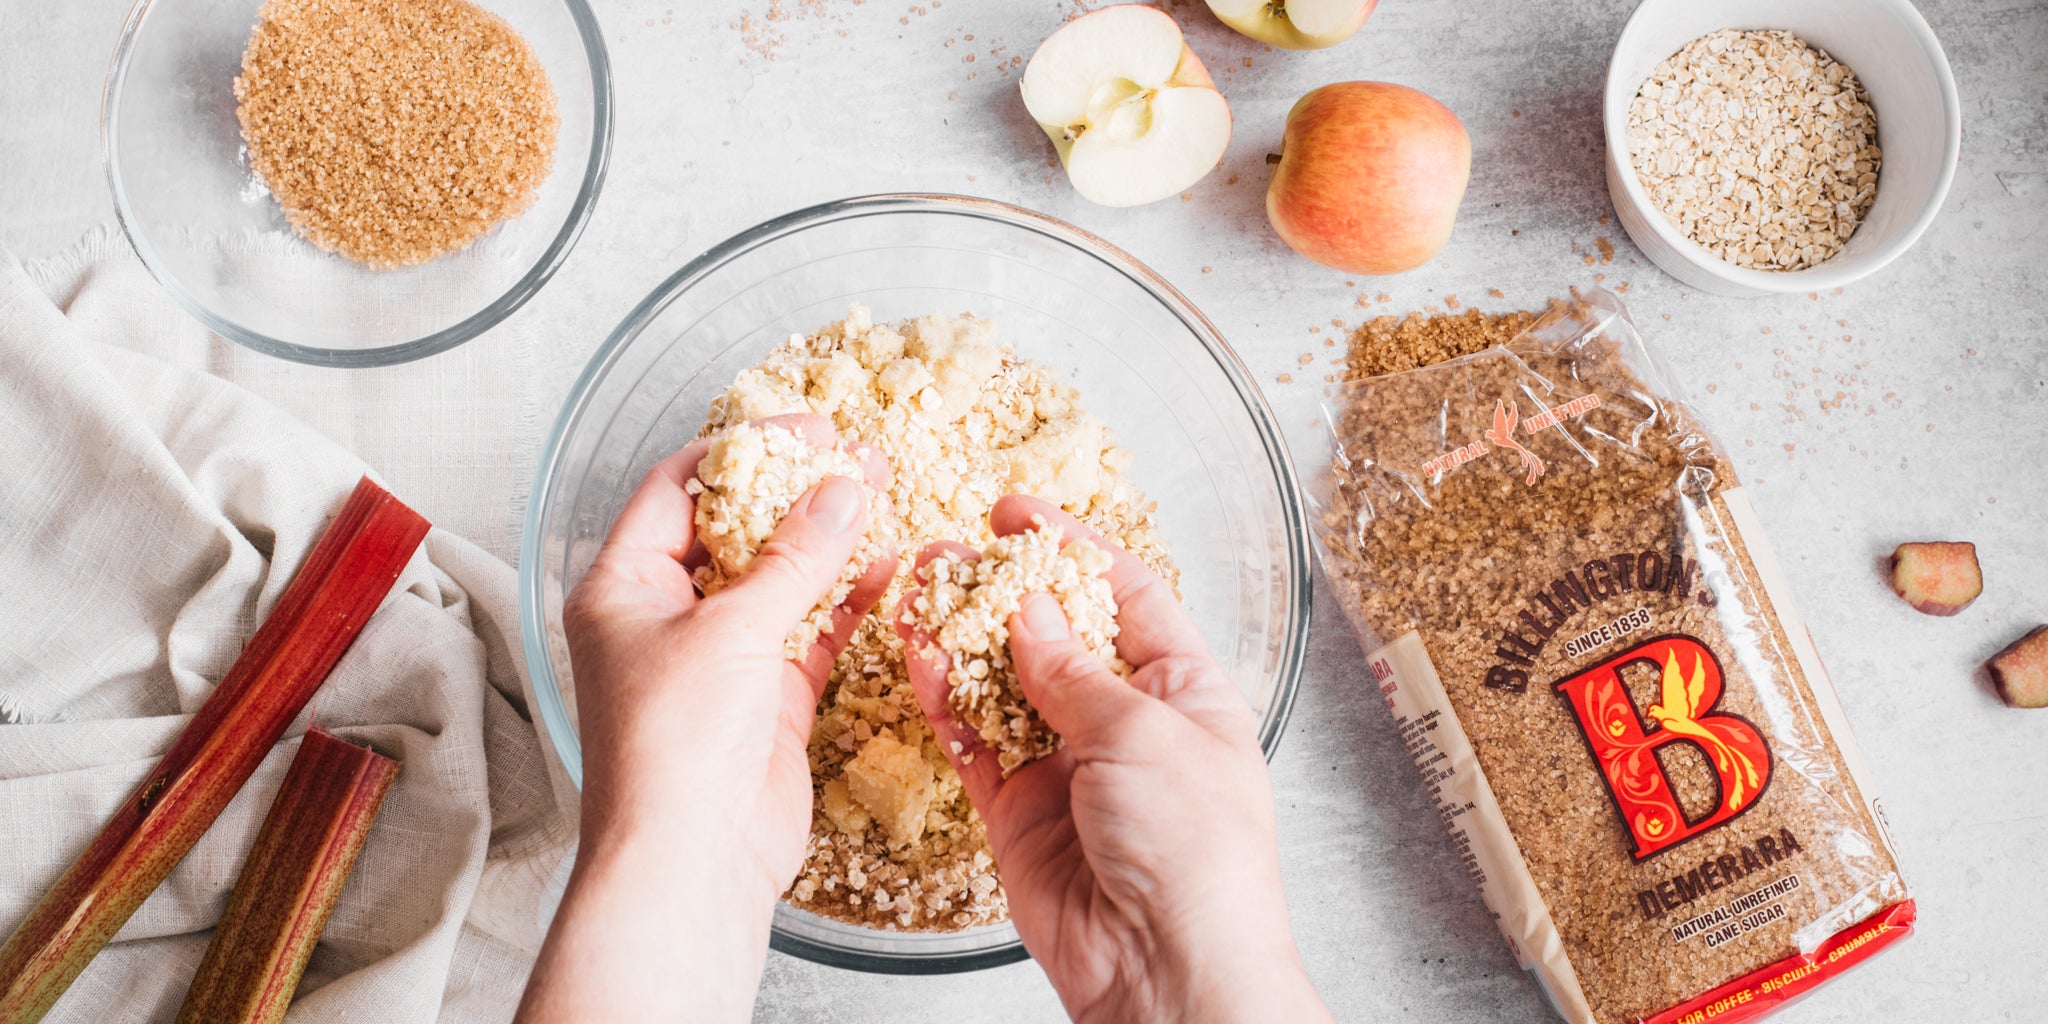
(1912, 405)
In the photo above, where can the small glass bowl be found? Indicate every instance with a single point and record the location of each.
(1203, 443)
(205, 227)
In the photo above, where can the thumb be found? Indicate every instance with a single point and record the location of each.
(1083, 701)
(798, 565)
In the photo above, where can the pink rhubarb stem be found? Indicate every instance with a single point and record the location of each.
(281, 902)
(340, 585)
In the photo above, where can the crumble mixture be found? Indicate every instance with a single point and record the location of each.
(745, 485)
(962, 421)
(966, 607)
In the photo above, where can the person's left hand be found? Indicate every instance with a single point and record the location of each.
(695, 729)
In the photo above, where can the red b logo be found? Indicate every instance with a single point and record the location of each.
(1626, 750)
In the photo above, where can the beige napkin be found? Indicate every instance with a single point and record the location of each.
(149, 518)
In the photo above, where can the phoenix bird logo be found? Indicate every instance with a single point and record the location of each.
(1678, 712)
(1503, 434)
(1684, 713)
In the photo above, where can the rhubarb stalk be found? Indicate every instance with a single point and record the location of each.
(342, 582)
(287, 888)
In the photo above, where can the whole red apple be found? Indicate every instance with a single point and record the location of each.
(1370, 177)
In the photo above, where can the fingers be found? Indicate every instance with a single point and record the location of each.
(660, 516)
(810, 426)
(1087, 704)
(959, 551)
(648, 541)
(801, 561)
(817, 662)
(874, 466)
(818, 430)
(1151, 623)
(928, 664)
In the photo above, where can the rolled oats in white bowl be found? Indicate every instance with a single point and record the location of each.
(1755, 148)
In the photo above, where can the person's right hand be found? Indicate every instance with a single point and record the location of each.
(1140, 861)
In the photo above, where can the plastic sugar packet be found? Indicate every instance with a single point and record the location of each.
(1587, 646)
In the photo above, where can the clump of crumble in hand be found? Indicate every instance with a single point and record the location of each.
(966, 608)
(746, 483)
(961, 421)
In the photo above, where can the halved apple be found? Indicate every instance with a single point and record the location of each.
(1294, 24)
(1131, 110)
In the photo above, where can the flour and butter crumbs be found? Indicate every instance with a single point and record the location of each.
(962, 421)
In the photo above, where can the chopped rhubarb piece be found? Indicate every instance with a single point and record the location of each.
(1937, 577)
(309, 841)
(2021, 670)
(334, 593)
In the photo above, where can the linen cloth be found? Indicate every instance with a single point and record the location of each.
(150, 516)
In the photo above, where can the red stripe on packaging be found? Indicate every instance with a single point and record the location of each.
(1765, 991)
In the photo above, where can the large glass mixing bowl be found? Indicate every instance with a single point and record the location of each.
(1203, 444)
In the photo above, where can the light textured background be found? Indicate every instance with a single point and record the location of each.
(1912, 405)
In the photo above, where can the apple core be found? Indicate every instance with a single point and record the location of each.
(1121, 108)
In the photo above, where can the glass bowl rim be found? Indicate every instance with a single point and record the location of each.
(529, 283)
(539, 661)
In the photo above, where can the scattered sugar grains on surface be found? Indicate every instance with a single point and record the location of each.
(746, 483)
(394, 133)
(961, 421)
(1757, 145)
(966, 607)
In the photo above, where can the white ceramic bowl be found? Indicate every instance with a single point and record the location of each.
(1919, 127)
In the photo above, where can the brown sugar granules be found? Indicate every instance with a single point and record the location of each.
(1390, 344)
(393, 133)
(1590, 652)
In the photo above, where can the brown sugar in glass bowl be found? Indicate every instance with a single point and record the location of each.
(206, 225)
(394, 133)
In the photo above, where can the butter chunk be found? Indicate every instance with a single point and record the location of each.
(902, 379)
(963, 358)
(893, 782)
(1061, 463)
(845, 814)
